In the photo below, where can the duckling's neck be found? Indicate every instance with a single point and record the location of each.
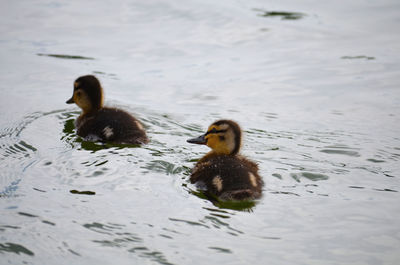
(89, 111)
(218, 153)
(221, 150)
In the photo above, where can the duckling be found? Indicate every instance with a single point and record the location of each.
(97, 122)
(223, 172)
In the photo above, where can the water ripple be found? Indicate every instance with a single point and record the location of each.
(284, 15)
(340, 151)
(221, 250)
(309, 176)
(117, 237)
(192, 223)
(66, 56)
(15, 248)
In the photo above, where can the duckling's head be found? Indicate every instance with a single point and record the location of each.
(223, 137)
(88, 94)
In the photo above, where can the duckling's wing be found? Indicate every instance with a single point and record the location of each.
(229, 176)
(113, 125)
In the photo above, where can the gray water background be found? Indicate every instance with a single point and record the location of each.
(314, 84)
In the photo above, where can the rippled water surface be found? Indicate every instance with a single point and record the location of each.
(315, 86)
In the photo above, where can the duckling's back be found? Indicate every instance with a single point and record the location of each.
(228, 177)
(111, 125)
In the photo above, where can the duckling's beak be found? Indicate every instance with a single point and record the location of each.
(198, 140)
(71, 100)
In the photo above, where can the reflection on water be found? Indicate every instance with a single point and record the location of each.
(88, 168)
(282, 14)
(15, 248)
(118, 237)
(65, 56)
(340, 150)
(359, 57)
(221, 250)
(308, 175)
(234, 205)
(10, 188)
(85, 192)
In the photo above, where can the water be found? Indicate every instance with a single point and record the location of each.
(315, 86)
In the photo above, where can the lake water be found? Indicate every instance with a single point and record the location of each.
(315, 86)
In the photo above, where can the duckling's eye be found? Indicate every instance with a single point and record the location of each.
(214, 130)
(222, 138)
(78, 94)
